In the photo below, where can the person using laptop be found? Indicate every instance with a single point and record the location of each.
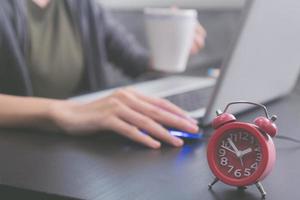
(51, 49)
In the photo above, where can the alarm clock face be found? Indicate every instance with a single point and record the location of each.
(238, 154)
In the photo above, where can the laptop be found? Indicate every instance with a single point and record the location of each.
(263, 65)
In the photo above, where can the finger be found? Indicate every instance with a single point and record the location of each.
(198, 44)
(162, 103)
(199, 41)
(150, 126)
(134, 133)
(158, 114)
(194, 49)
(200, 30)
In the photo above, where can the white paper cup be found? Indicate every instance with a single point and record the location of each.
(170, 33)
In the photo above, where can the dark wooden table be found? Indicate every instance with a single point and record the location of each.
(110, 167)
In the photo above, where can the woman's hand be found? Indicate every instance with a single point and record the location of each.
(126, 112)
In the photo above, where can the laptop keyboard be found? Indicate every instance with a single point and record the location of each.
(192, 100)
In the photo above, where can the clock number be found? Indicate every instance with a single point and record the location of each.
(247, 172)
(237, 173)
(234, 137)
(222, 152)
(258, 157)
(230, 168)
(224, 161)
(243, 136)
(225, 144)
(254, 166)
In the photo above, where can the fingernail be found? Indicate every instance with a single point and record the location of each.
(193, 127)
(156, 144)
(178, 142)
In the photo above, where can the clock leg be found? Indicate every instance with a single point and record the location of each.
(261, 189)
(211, 184)
(242, 187)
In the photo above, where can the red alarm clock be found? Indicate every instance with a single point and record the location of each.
(239, 153)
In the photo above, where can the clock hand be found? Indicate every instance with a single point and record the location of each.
(237, 152)
(228, 149)
(241, 159)
(246, 151)
(234, 153)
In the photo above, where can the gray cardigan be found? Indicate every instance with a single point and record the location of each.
(103, 40)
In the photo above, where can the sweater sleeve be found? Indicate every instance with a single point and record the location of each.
(122, 48)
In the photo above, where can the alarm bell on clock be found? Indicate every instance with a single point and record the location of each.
(241, 154)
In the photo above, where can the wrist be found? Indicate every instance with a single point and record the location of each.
(52, 114)
(58, 114)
